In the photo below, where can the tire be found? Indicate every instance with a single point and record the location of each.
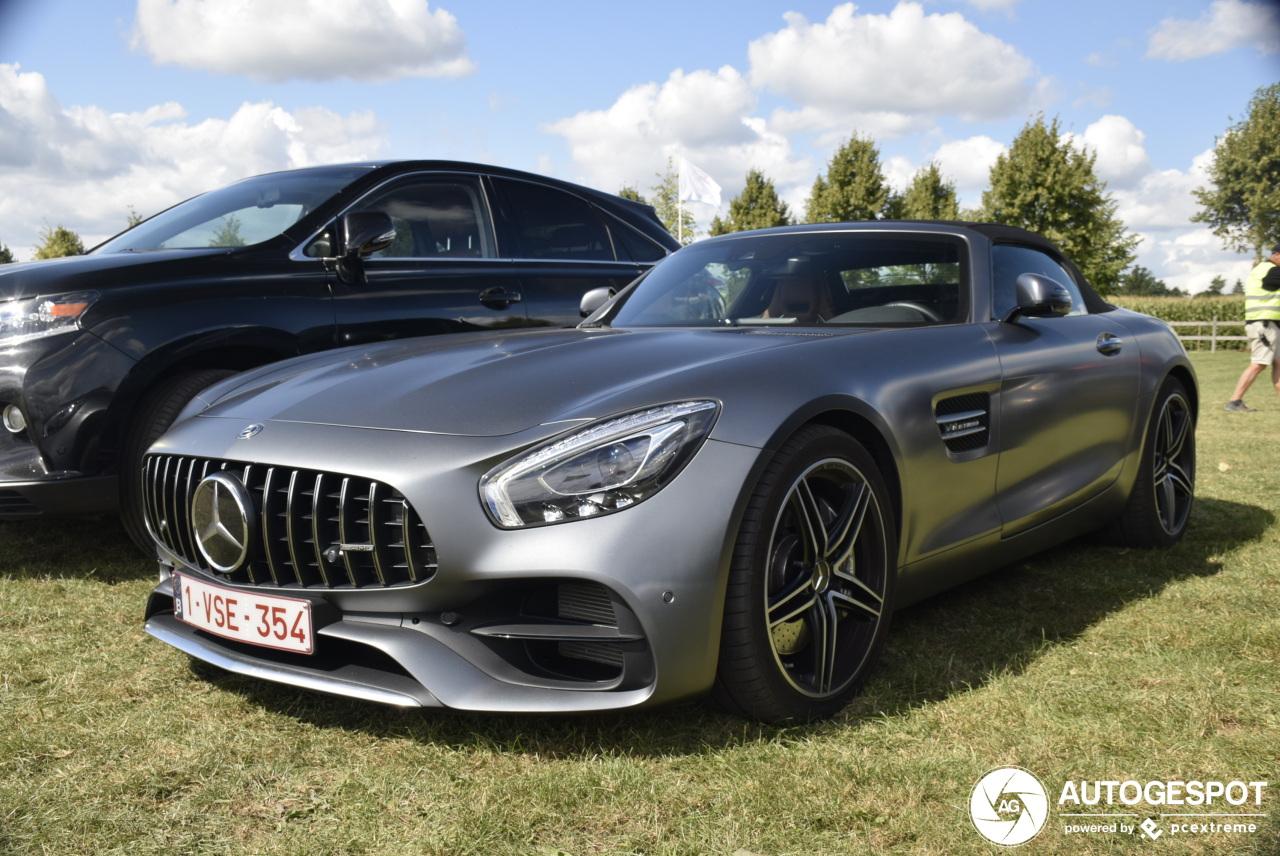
(155, 413)
(811, 583)
(1159, 506)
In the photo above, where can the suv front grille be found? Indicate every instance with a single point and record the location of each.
(313, 529)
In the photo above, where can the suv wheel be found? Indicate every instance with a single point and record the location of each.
(154, 415)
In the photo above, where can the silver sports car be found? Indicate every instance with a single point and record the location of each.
(724, 481)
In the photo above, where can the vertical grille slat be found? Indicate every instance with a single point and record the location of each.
(301, 517)
(273, 537)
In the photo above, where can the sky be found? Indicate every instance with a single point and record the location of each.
(115, 106)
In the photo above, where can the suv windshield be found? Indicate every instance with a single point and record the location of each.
(247, 212)
(802, 278)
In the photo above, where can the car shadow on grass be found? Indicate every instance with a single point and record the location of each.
(953, 642)
(999, 624)
(71, 547)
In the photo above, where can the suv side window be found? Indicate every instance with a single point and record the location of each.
(435, 217)
(1009, 261)
(547, 223)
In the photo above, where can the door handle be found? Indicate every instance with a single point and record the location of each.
(1109, 343)
(500, 296)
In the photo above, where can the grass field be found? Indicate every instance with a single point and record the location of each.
(1086, 663)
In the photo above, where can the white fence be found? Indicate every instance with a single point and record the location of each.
(1214, 336)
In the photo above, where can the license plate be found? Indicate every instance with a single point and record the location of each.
(259, 619)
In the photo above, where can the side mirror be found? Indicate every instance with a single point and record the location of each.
(594, 299)
(366, 232)
(1038, 296)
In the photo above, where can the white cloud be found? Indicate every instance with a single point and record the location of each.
(705, 116)
(968, 163)
(1228, 24)
(83, 167)
(889, 74)
(1120, 148)
(1190, 260)
(1005, 6)
(373, 40)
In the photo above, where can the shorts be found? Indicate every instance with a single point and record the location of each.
(1263, 338)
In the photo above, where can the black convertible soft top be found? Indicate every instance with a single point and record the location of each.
(1002, 234)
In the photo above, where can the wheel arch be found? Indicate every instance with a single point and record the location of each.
(857, 419)
(239, 353)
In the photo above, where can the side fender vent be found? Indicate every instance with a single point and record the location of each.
(964, 421)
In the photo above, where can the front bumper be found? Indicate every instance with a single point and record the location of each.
(613, 612)
(58, 496)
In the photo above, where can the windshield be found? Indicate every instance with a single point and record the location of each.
(247, 212)
(803, 278)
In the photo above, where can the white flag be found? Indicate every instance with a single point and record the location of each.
(697, 186)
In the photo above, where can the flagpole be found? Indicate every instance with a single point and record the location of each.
(679, 206)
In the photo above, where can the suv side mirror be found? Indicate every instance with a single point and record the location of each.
(366, 232)
(1038, 296)
(594, 299)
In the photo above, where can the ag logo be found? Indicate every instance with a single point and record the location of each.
(1008, 806)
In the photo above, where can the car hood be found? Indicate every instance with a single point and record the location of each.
(90, 272)
(485, 384)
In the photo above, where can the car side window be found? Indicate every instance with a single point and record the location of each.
(1010, 261)
(547, 223)
(435, 217)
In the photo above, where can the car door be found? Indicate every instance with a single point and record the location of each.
(442, 274)
(1068, 395)
(561, 248)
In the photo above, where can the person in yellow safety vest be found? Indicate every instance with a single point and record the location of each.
(1262, 325)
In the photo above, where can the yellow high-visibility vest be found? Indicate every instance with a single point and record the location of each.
(1260, 304)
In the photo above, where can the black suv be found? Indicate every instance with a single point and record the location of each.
(101, 351)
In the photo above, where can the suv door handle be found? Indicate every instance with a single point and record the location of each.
(1109, 343)
(500, 296)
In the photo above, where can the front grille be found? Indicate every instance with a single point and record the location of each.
(313, 529)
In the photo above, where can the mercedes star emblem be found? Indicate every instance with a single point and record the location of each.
(222, 519)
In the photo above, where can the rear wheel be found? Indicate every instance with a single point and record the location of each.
(811, 586)
(1159, 507)
(155, 413)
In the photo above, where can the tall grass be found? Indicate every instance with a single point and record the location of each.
(1087, 662)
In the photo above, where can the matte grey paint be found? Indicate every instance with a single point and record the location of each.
(431, 416)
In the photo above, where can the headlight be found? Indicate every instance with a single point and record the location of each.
(21, 320)
(602, 468)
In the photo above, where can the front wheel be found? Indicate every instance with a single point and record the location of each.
(811, 585)
(1159, 507)
(155, 413)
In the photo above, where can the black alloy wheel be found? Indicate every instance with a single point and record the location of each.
(811, 587)
(1159, 507)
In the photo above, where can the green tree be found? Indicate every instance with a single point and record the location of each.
(1045, 184)
(6, 257)
(853, 188)
(666, 201)
(930, 197)
(228, 234)
(133, 218)
(1242, 203)
(1238, 288)
(1216, 285)
(57, 242)
(1141, 282)
(756, 207)
(629, 191)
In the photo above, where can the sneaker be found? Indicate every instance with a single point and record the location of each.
(1238, 406)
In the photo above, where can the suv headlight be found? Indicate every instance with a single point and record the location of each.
(599, 469)
(21, 320)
